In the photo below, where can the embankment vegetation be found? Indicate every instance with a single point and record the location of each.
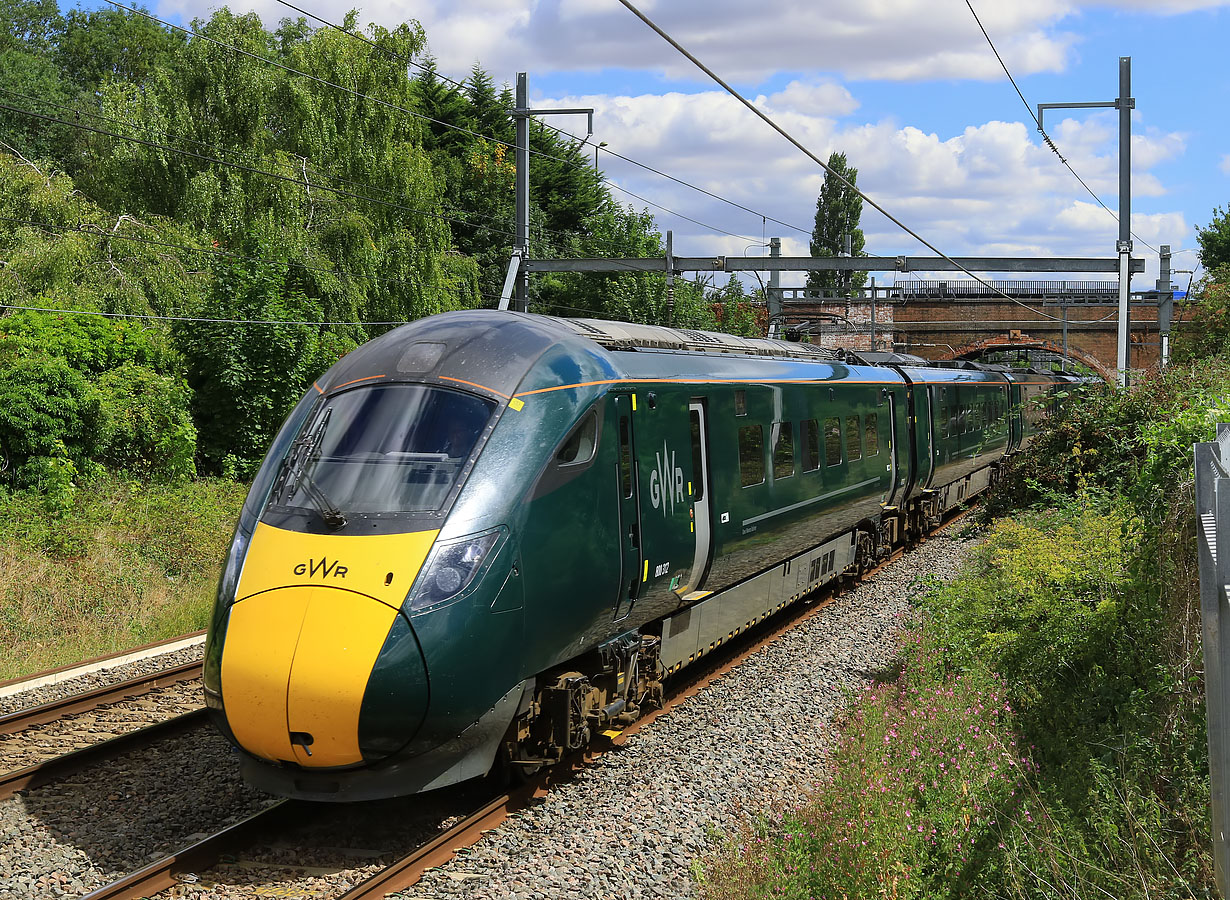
(1046, 735)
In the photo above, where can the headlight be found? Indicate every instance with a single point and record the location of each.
(451, 568)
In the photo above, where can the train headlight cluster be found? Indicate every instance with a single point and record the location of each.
(451, 568)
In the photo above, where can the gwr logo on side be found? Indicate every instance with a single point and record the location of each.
(321, 568)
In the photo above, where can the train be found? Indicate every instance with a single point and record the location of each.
(486, 537)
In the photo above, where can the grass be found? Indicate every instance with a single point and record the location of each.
(122, 563)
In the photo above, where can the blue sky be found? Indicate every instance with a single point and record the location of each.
(909, 90)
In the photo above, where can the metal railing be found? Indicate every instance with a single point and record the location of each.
(1213, 530)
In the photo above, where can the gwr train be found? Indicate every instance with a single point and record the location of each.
(486, 535)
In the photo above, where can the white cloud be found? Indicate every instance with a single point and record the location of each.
(888, 39)
(1225, 163)
(988, 190)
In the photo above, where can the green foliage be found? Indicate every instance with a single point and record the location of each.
(922, 779)
(246, 377)
(1082, 615)
(1214, 240)
(47, 409)
(1202, 322)
(90, 344)
(149, 427)
(838, 209)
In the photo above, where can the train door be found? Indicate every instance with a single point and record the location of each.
(701, 525)
(891, 496)
(631, 555)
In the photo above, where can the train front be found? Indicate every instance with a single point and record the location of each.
(365, 640)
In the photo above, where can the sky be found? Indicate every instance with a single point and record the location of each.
(910, 91)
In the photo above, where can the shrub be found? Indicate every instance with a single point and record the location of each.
(90, 344)
(149, 427)
(47, 409)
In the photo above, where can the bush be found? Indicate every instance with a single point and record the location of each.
(90, 344)
(149, 427)
(47, 409)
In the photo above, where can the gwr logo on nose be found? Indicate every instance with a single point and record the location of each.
(321, 568)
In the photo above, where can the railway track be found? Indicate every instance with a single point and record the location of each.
(46, 742)
(193, 863)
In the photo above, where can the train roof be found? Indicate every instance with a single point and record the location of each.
(633, 336)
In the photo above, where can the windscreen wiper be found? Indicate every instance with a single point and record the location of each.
(305, 451)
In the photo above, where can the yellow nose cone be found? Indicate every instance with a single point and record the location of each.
(294, 669)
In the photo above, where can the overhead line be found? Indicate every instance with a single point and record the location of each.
(799, 146)
(377, 100)
(1046, 137)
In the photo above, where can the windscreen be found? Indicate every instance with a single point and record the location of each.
(389, 448)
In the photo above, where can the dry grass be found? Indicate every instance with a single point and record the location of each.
(129, 564)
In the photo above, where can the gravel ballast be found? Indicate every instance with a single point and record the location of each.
(632, 824)
(100, 678)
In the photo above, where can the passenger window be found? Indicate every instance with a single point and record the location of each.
(751, 455)
(579, 448)
(740, 403)
(854, 444)
(698, 467)
(872, 433)
(832, 442)
(783, 450)
(811, 445)
(625, 456)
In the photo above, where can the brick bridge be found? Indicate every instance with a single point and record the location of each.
(964, 320)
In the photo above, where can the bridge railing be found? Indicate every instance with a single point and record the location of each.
(1213, 530)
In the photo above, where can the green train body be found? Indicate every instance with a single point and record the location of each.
(483, 536)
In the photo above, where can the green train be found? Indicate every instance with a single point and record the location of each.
(485, 536)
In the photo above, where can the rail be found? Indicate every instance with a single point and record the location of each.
(1213, 530)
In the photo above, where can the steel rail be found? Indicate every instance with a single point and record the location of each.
(58, 767)
(409, 869)
(92, 663)
(406, 871)
(21, 719)
(162, 874)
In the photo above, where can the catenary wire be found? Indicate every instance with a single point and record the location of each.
(1046, 137)
(768, 120)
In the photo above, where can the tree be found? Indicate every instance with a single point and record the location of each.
(1202, 321)
(837, 213)
(1214, 240)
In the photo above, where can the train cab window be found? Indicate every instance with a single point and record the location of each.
(751, 455)
(380, 450)
(872, 434)
(783, 450)
(854, 439)
(579, 447)
(810, 448)
(832, 441)
(625, 457)
(740, 403)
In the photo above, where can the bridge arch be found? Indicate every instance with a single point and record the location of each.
(1026, 342)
